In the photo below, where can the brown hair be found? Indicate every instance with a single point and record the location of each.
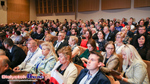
(100, 59)
(66, 51)
(93, 44)
(110, 42)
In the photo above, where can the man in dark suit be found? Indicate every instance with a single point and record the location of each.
(141, 30)
(94, 34)
(108, 35)
(4, 68)
(129, 33)
(93, 74)
(113, 31)
(61, 42)
(17, 55)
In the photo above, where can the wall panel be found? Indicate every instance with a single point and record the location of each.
(115, 4)
(88, 5)
(18, 10)
(141, 3)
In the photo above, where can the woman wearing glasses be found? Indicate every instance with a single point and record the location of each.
(111, 59)
(119, 42)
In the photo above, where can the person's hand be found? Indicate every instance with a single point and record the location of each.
(16, 69)
(46, 76)
(118, 77)
(116, 82)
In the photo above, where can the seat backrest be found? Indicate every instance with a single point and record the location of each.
(148, 68)
(112, 81)
(120, 63)
(24, 48)
(79, 68)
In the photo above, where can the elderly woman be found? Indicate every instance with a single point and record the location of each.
(119, 42)
(47, 61)
(64, 66)
(111, 60)
(73, 40)
(134, 68)
(126, 38)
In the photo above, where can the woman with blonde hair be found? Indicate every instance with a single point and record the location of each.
(65, 67)
(126, 38)
(47, 61)
(73, 40)
(134, 69)
(119, 42)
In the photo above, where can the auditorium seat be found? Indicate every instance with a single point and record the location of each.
(148, 68)
(79, 68)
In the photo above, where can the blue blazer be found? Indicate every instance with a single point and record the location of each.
(99, 78)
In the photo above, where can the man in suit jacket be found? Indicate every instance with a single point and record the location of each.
(113, 31)
(4, 68)
(94, 34)
(129, 33)
(17, 55)
(93, 74)
(61, 42)
(108, 35)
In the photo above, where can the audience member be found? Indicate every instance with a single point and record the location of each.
(61, 42)
(46, 61)
(129, 32)
(126, 38)
(4, 68)
(88, 35)
(100, 42)
(92, 74)
(94, 33)
(118, 26)
(134, 69)
(113, 30)
(31, 58)
(141, 30)
(17, 55)
(64, 66)
(142, 47)
(16, 37)
(111, 59)
(119, 42)
(108, 35)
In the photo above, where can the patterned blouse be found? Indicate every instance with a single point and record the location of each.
(45, 65)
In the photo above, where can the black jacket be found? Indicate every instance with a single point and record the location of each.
(16, 56)
(99, 78)
(65, 43)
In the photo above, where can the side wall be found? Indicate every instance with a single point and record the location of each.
(3, 12)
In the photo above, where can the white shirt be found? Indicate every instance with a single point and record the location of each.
(118, 48)
(106, 36)
(28, 65)
(58, 44)
(86, 76)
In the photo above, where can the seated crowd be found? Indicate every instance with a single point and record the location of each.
(109, 52)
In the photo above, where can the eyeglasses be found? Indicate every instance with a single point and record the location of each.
(118, 37)
(110, 48)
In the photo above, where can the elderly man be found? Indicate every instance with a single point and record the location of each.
(61, 42)
(4, 68)
(108, 35)
(33, 53)
(17, 55)
(94, 34)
